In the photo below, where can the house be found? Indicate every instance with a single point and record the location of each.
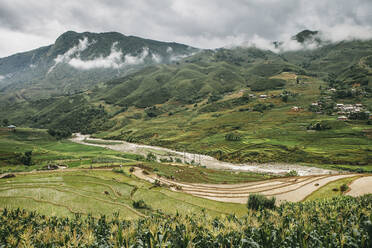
(263, 96)
(359, 105)
(314, 104)
(339, 105)
(332, 89)
(11, 127)
(342, 118)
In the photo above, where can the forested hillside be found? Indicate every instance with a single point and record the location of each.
(240, 104)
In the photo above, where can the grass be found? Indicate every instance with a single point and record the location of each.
(198, 174)
(329, 190)
(100, 192)
(45, 150)
(276, 135)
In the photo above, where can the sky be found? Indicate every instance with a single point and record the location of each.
(29, 24)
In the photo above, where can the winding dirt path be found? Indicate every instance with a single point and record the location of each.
(361, 186)
(292, 189)
(209, 162)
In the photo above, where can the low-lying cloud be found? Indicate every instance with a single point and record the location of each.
(115, 60)
(2, 77)
(74, 51)
(135, 60)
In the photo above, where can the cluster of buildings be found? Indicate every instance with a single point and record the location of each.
(344, 110)
(348, 108)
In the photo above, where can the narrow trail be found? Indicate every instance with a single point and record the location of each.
(209, 162)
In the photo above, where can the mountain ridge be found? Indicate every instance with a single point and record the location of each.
(104, 55)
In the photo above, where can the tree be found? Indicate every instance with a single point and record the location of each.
(5, 122)
(59, 133)
(26, 158)
(151, 157)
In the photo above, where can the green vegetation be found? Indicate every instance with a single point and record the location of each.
(196, 103)
(292, 173)
(332, 189)
(46, 150)
(98, 192)
(267, 84)
(259, 202)
(339, 222)
(30, 149)
(198, 174)
(34, 67)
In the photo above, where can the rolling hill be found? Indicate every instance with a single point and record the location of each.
(240, 104)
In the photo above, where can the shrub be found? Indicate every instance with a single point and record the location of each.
(257, 201)
(140, 204)
(232, 137)
(292, 173)
(344, 187)
(25, 158)
(153, 111)
(214, 98)
(151, 157)
(59, 133)
(157, 183)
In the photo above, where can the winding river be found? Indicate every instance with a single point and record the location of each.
(203, 160)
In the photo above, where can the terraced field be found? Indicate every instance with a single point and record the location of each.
(100, 191)
(292, 189)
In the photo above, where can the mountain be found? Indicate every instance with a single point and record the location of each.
(306, 36)
(241, 104)
(78, 61)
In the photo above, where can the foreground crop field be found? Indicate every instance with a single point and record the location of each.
(339, 222)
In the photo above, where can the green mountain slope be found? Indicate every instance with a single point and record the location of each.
(78, 61)
(241, 105)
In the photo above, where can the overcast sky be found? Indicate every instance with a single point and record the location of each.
(29, 24)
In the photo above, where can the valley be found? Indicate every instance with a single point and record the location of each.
(108, 140)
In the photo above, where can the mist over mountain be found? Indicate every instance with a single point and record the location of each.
(78, 61)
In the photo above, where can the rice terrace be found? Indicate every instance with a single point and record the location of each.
(256, 133)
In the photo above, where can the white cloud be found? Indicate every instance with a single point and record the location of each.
(205, 24)
(73, 51)
(135, 60)
(156, 57)
(169, 49)
(113, 60)
(2, 77)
